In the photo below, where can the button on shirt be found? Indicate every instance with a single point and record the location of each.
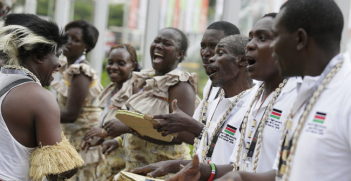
(323, 151)
(272, 130)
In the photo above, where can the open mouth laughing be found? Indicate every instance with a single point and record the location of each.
(158, 57)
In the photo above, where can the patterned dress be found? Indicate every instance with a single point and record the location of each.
(154, 100)
(88, 118)
(115, 161)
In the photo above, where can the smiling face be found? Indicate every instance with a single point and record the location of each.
(285, 49)
(49, 66)
(258, 52)
(75, 46)
(224, 66)
(119, 65)
(164, 51)
(208, 45)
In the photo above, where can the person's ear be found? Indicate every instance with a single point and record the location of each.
(301, 39)
(134, 65)
(38, 59)
(180, 55)
(242, 61)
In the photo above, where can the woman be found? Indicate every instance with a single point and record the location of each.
(78, 93)
(155, 89)
(122, 61)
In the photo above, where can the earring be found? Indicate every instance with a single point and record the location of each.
(85, 51)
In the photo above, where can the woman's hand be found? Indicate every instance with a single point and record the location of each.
(95, 131)
(115, 127)
(95, 141)
(109, 146)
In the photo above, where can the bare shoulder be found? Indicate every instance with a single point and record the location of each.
(181, 88)
(30, 94)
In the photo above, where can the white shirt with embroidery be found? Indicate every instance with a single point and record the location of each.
(323, 151)
(228, 134)
(273, 128)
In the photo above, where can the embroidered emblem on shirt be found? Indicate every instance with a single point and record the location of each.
(319, 117)
(274, 120)
(276, 114)
(230, 130)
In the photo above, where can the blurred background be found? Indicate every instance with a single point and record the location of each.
(137, 21)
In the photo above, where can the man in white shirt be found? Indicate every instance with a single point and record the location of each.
(316, 144)
(263, 122)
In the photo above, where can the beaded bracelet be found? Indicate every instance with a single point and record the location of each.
(202, 132)
(214, 171)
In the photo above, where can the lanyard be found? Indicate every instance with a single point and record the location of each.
(252, 147)
(205, 108)
(214, 141)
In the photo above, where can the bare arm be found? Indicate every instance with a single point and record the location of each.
(78, 92)
(184, 93)
(47, 124)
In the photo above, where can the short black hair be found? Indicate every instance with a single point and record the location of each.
(321, 19)
(225, 26)
(90, 33)
(47, 29)
(272, 15)
(184, 44)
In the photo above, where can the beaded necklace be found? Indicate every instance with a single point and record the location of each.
(277, 92)
(202, 115)
(30, 74)
(285, 168)
(219, 125)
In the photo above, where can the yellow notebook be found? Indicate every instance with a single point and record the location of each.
(143, 124)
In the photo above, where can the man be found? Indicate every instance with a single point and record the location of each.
(262, 124)
(316, 143)
(224, 114)
(31, 142)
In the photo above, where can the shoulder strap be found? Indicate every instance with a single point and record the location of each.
(13, 84)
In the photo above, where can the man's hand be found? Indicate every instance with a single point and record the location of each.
(156, 169)
(115, 127)
(189, 172)
(109, 146)
(95, 131)
(175, 122)
(231, 176)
